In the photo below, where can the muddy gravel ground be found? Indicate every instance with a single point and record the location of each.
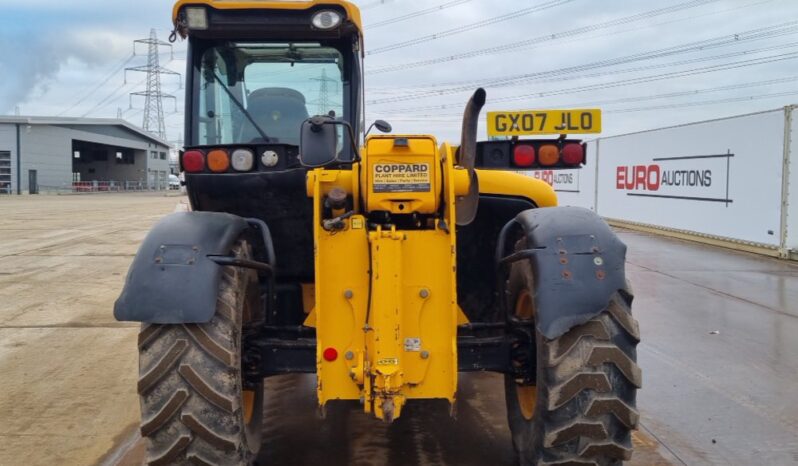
(719, 357)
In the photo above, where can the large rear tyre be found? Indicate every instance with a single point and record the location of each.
(580, 409)
(194, 406)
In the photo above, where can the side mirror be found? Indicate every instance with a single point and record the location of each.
(318, 142)
(382, 125)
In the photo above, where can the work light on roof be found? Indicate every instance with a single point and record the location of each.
(327, 19)
(197, 18)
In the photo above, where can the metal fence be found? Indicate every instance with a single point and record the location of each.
(81, 187)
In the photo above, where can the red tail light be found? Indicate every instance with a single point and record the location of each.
(524, 156)
(573, 154)
(193, 161)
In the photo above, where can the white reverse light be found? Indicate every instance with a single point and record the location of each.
(242, 160)
(197, 18)
(269, 158)
(327, 19)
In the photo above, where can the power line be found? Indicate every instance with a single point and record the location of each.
(472, 26)
(671, 95)
(708, 44)
(662, 65)
(543, 38)
(110, 98)
(416, 14)
(706, 102)
(114, 95)
(672, 64)
(374, 4)
(401, 90)
(101, 104)
(116, 69)
(643, 98)
(455, 119)
(627, 82)
(660, 77)
(557, 75)
(767, 32)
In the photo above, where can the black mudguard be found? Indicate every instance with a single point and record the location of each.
(172, 280)
(577, 263)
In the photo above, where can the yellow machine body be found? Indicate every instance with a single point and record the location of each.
(386, 298)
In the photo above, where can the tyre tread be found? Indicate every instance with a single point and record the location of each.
(189, 384)
(162, 367)
(165, 414)
(587, 381)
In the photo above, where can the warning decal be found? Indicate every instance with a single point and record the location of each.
(401, 177)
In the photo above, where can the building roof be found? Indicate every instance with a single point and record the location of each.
(74, 121)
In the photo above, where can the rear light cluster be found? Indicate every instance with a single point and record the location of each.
(531, 154)
(548, 155)
(218, 160)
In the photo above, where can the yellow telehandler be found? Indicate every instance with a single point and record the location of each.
(385, 264)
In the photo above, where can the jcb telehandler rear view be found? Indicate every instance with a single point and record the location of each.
(385, 264)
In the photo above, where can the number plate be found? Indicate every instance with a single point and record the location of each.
(531, 122)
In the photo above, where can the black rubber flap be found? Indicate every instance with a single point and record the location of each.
(577, 263)
(171, 279)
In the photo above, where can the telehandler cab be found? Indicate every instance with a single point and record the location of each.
(384, 264)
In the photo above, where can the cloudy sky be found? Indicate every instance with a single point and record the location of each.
(645, 63)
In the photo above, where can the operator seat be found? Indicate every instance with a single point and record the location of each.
(279, 111)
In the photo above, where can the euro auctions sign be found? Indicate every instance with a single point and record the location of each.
(532, 122)
(703, 178)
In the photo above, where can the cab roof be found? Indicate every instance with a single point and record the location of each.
(352, 11)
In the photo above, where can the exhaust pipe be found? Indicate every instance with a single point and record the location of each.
(466, 207)
(468, 135)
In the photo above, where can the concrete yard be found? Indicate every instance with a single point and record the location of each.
(67, 368)
(719, 357)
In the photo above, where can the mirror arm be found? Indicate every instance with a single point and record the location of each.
(369, 130)
(355, 150)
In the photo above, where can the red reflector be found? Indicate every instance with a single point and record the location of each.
(573, 154)
(193, 161)
(330, 354)
(524, 156)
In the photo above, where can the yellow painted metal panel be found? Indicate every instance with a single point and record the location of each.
(531, 122)
(515, 184)
(342, 265)
(430, 314)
